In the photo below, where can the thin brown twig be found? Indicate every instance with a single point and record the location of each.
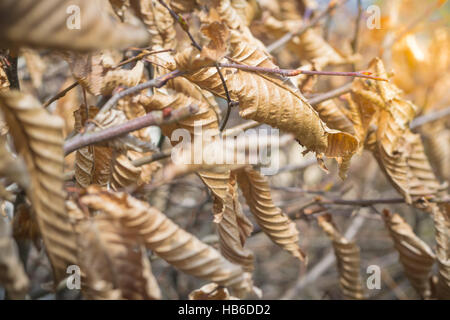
(60, 94)
(151, 158)
(296, 72)
(150, 119)
(154, 83)
(371, 202)
(346, 88)
(140, 56)
(430, 117)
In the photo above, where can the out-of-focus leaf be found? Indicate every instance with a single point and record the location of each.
(441, 217)
(276, 224)
(170, 242)
(211, 291)
(12, 273)
(115, 264)
(348, 260)
(38, 139)
(415, 255)
(72, 25)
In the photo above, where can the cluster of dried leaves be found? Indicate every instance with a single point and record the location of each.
(96, 208)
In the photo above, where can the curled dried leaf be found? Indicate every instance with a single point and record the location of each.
(39, 140)
(399, 152)
(271, 99)
(441, 217)
(276, 224)
(348, 260)
(334, 117)
(97, 72)
(158, 21)
(170, 242)
(58, 25)
(415, 255)
(232, 225)
(12, 274)
(114, 262)
(211, 291)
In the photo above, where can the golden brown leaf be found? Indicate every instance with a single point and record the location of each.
(53, 24)
(12, 274)
(348, 260)
(114, 261)
(271, 99)
(274, 222)
(211, 291)
(158, 21)
(334, 117)
(170, 242)
(399, 152)
(441, 217)
(38, 139)
(309, 46)
(97, 72)
(232, 225)
(415, 255)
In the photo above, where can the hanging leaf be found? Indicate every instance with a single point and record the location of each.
(158, 21)
(68, 25)
(12, 274)
(348, 260)
(415, 255)
(38, 139)
(170, 242)
(115, 262)
(276, 224)
(441, 217)
(399, 152)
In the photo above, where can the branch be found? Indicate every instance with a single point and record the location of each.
(60, 94)
(156, 83)
(371, 202)
(150, 119)
(288, 36)
(296, 72)
(151, 158)
(430, 117)
(346, 88)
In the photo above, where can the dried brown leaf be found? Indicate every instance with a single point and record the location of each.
(12, 274)
(38, 139)
(158, 21)
(170, 242)
(272, 220)
(115, 262)
(441, 217)
(415, 255)
(399, 152)
(348, 260)
(211, 291)
(53, 24)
